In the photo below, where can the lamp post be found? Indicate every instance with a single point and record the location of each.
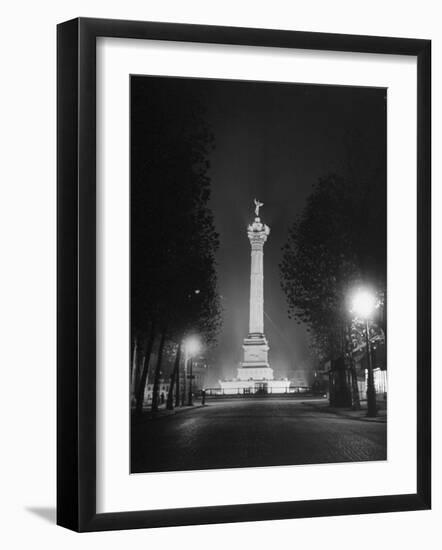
(364, 303)
(186, 360)
(192, 347)
(190, 398)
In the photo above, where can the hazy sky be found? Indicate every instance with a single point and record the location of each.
(273, 141)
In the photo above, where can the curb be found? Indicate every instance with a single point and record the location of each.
(377, 420)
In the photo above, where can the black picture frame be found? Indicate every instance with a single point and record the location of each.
(76, 274)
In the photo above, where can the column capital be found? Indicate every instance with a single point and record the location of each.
(258, 233)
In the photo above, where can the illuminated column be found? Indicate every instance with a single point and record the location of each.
(257, 233)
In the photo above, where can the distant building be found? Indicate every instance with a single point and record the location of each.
(199, 372)
(379, 370)
(340, 382)
(163, 388)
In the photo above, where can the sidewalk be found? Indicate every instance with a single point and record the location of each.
(350, 413)
(163, 411)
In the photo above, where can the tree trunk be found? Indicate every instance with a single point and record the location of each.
(175, 376)
(133, 365)
(156, 381)
(354, 386)
(140, 368)
(355, 400)
(145, 370)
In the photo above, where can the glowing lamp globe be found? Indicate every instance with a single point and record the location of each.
(364, 303)
(192, 346)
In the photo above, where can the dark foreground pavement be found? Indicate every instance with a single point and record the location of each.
(252, 432)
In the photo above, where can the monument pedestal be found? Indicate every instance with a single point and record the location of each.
(255, 364)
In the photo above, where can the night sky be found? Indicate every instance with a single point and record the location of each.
(273, 141)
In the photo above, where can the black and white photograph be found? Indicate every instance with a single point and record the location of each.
(258, 274)
(219, 275)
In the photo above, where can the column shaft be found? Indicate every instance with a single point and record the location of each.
(256, 323)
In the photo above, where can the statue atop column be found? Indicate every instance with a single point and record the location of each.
(258, 231)
(257, 207)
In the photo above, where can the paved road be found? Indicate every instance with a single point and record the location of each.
(252, 432)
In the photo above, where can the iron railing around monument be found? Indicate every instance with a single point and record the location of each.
(293, 391)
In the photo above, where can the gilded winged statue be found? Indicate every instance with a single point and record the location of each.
(257, 207)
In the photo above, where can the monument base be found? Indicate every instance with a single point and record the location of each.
(254, 375)
(253, 386)
(258, 372)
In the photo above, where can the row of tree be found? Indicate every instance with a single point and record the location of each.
(336, 244)
(173, 238)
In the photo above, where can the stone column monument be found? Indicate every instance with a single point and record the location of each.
(257, 233)
(255, 364)
(254, 375)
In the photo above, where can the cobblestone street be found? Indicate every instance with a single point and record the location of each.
(253, 432)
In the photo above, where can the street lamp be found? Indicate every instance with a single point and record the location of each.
(363, 305)
(192, 347)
